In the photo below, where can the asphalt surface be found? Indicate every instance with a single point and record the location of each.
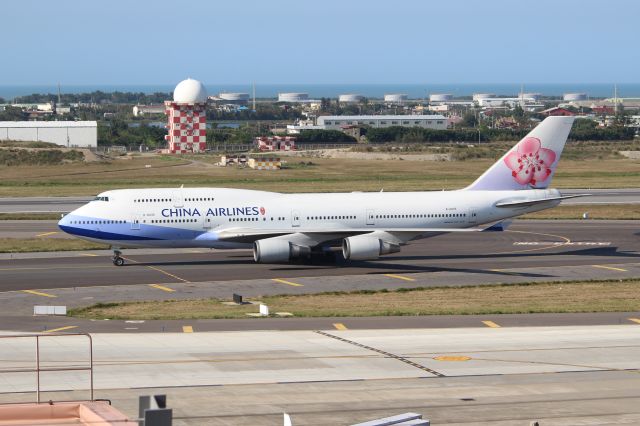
(67, 204)
(41, 204)
(527, 244)
(540, 251)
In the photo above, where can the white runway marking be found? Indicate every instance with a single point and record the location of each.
(559, 243)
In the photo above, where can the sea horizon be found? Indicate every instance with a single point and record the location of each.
(316, 91)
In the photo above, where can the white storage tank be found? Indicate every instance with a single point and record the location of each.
(575, 97)
(478, 96)
(440, 97)
(534, 96)
(351, 98)
(395, 98)
(234, 97)
(292, 97)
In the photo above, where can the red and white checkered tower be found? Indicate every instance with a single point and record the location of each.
(187, 118)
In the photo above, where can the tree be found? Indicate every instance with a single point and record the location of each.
(12, 114)
(469, 120)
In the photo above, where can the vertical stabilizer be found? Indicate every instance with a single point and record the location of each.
(531, 163)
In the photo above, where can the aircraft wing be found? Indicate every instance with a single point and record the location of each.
(251, 234)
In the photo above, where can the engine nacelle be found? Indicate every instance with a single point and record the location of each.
(364, 247)
(278, 251)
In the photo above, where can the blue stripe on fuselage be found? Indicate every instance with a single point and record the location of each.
(101, 235)
(92, 228)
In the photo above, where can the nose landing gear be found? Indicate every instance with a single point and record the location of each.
(117, 259)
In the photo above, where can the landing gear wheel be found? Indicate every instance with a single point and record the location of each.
(117, 260)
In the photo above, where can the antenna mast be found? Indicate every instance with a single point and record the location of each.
(254, 95)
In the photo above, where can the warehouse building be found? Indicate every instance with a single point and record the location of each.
(71, 134)
(337, 122)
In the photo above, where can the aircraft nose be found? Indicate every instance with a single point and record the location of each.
(65, 221)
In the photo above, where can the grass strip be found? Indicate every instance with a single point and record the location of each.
(30, 216)
(549, 297)
(595, 211)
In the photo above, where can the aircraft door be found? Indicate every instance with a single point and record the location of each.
(472, 215)
(370, 214)
(206, 222)
(178, 199)
(295, 218)
(135, 222)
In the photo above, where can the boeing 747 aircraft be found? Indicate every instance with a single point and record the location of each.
(284, 227)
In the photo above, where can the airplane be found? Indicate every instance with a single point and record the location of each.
(280, 227)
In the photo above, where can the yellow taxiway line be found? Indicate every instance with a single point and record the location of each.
(161, 287)
(46, 234)
(187, 329)
(54, 330)
(281, 281)
(339, 326)
(39, 293)
(636, 320)
(491, 324)
(610, 268)
(399, 277)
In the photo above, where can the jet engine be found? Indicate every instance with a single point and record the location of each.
(363, 247)
(278, 251)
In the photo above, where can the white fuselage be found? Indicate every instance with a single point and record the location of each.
(200, 217)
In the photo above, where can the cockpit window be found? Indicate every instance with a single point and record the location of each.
(101, 199)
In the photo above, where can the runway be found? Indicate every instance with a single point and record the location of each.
(67, 204)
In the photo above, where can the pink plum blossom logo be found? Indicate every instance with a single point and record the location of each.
(529, 162)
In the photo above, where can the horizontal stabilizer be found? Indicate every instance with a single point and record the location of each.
(524, 203)
(499, 226)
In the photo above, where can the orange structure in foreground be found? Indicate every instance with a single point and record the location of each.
(94, 413)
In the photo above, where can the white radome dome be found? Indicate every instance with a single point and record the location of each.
(190, 91)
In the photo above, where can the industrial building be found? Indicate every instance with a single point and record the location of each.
(71, 134)
(504, 102)
(337, 122)
(187, 118)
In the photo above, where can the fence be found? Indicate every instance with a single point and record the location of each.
(38, 369)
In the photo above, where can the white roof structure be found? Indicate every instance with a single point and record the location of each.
(64, 133)
(190, 91)
(46, 124)
(381, 117)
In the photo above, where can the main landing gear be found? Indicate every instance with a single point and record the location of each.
(117, 259)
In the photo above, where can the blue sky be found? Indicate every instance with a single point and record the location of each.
(328, 41)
